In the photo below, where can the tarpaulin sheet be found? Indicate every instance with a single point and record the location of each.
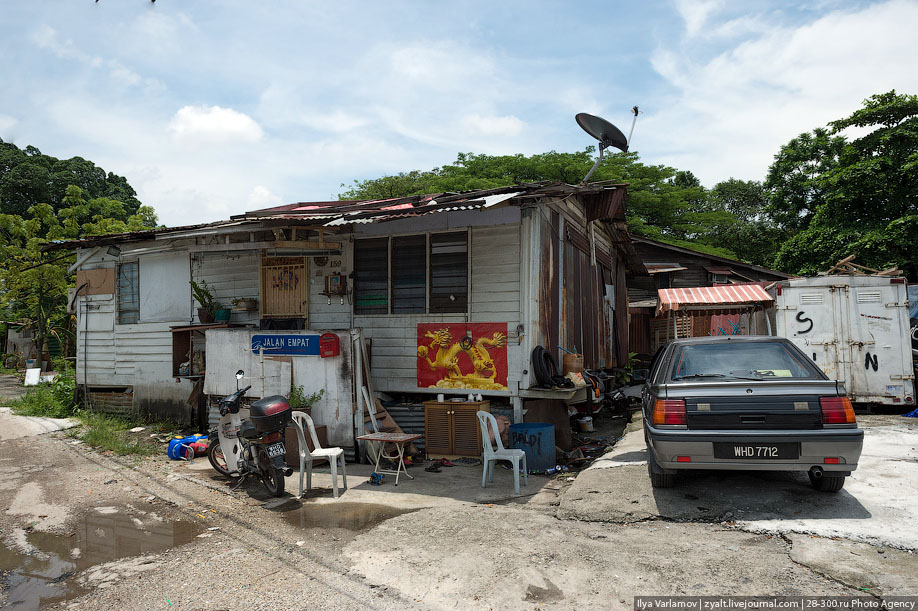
(725, 295)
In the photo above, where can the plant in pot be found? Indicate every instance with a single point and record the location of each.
(302, 400)
(205, 298)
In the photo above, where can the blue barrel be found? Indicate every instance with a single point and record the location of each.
(537, 439)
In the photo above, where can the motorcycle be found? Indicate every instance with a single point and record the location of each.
(254, 446)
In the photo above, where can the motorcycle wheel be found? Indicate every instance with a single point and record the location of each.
(216, 457)
(271, 476)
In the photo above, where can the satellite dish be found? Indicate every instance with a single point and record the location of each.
(606, 133)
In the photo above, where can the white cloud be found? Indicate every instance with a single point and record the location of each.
(213, 125)
(695, 13)
(262, 197)
(6, 122)
(47, 38)
(731, 113)
(492, 126)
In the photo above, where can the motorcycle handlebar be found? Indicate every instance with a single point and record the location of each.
(228, 402)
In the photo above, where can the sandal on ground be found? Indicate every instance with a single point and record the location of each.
(445, 463)
(434, 468)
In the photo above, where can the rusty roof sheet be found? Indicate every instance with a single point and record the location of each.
(342, 213)
(346, 212)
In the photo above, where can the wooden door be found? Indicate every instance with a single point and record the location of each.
(466, 430)
(283, 287)
(437, 428)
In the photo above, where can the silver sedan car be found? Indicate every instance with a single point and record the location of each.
(746, 403)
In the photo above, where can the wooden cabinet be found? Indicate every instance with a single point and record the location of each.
(451, 428)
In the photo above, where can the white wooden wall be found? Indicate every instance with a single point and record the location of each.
(229, 275)
(495, 297)
(138, 356)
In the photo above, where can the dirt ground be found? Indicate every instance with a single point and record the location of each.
(441, 541)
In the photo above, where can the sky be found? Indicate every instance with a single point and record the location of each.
(211, 108)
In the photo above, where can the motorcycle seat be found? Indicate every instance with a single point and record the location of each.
(248, 431)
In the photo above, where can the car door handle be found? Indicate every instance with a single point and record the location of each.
(752, 419)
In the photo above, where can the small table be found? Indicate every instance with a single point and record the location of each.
(400, 440)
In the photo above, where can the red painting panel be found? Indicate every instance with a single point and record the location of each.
(462, 355)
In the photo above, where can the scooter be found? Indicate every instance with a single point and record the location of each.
(240, 448)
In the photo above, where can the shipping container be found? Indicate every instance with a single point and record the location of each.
(856, 328)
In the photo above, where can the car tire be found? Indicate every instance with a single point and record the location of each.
(658, 479)
(827, 483)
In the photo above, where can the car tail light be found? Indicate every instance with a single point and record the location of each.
(830, 461)
(897, 280)
(669, 411)
(908, 399)
(836, 410)
(683, 459)
(272, 437)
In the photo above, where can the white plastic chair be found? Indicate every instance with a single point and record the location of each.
(491, 456)
(301, 422)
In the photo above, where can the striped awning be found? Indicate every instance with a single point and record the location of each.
(724, 295)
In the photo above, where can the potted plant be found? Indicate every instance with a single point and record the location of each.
(301, 400)
(245, 304)
(205, 298)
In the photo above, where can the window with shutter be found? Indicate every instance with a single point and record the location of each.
(409, 265)
(371, 276)
(128, 293)
(449, 272)
(401, 274)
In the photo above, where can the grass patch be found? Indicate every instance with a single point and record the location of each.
(110, 433)
(43, 400)
(103, 432)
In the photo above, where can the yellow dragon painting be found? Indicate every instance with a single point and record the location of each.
(448, 352)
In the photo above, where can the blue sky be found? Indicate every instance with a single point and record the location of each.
(214, 107)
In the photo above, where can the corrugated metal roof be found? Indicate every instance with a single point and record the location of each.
(335, 214)
(609, 207)
(734, 294)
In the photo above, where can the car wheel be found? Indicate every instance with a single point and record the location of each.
(658, 479)
(827, 483)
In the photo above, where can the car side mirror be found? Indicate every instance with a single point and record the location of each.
(639, 375)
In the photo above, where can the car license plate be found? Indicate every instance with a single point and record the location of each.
(757, 451)
(275, 450)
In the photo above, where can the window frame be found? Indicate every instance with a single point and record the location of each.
(428, 278)
(133, 287)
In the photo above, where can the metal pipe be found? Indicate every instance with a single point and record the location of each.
(76, 295)
(595, 165)
(633, 121)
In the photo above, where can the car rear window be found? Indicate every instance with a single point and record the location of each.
(740, 361)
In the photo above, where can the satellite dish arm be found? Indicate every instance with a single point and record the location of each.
(633, 121)
(602, 147)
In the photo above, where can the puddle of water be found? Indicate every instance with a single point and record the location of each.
(350, 516)
(43, 577)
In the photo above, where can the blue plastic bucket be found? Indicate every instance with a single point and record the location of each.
(537, 439)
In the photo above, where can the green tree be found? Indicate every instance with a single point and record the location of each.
(34, 285)
(865, 195)
(794, 182)
(29, 177)
(33, 294)
(664, 204)
(751, 234)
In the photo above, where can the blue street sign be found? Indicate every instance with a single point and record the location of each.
(288, 345)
